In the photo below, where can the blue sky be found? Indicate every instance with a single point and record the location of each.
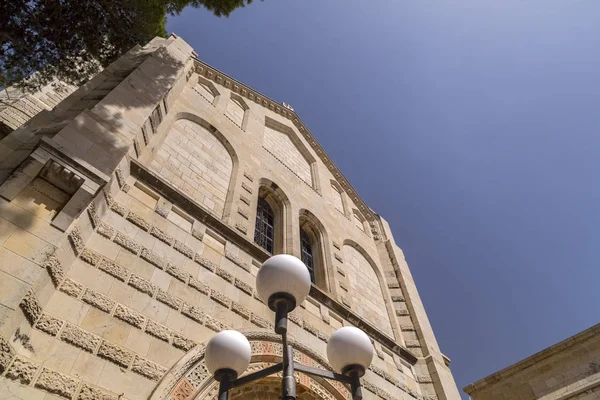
(472, 126)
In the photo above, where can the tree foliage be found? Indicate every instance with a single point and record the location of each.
(70, 40)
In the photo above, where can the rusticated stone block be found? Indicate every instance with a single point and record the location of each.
(394, 285)
(224, 274)
(106, 230)
(183, 343)
(93, 214)
(402, 313)
(76, 240)
(89, 392)
(413, 343)
(153, 258)
(336, 245)
(338, 257)
(98, 300)
(206, 263)
(31, 307)
(295, 319)
(343, 286)
(80, 338)
(246, 187)
(193, 313)
(108, 197)
(54, 268)
(397, 298)
(162, 211)
(313, 330)
(220, 298)
(240, 309)
(130, 316)
(47, 323)
(341, 271)
(245, 200)
(183, 249)
(213, 324)
(57, 383)
(148, 368)
(138, 221)
(407, 328)
(115, 354)
(161, 235)
(241, 228)
(6, 354)
(168, 299)
(424, 379)
(260, 321)
(243, 286)
(127, 243)
(237, 261)
(158, 331)
(199, 286)
(177, 272)
(257, 297)
(118, 208)
(142, 284)
(120, 178)
(113, 269)
(91, 257)
(22, 370)
(71, 287)
(198, 233)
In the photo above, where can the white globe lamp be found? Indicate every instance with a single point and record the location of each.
(349, 351)
(227, 354)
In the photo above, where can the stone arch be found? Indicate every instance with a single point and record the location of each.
(319, 238)
(280, 203)
(199, 161)
(367, 285)
(189, 378)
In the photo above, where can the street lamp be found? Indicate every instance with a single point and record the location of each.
(283, 282)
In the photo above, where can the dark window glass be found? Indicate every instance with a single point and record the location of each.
(263, 231)
(306, 254)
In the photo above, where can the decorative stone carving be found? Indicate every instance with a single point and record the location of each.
(22, 370)
(120, 178)
(237, 261)
(193, 313)
(93, 215)
(89, 392)
(182, 342)
(159, 331)
(260, 321)
(206, 263)
(106, 230)
(183, 390)
(183, 249)
(127, 243)
(6, 354)
(220, 298)
(240, 309)
(394, 285)
(49, 324)
(76, 240)
(243, 286)
(118, 208)
(31, 308)
(71, 287)
(224, 274)
(148, 368)
(80, 338)
(168, 299)
(295, 319)
(424, 379)
(54, 268)
(115, 354)
(413, 343)
(130, 316)
(313, 330)
(98, 300)
(161, 235)
(138, 221)
(397, 298)
(90, 257)
(142, 284)
(177, 273)
(153, 258)
(199, 286)
(213, 324)
(113, 269)
(57, 383)
(402, 313)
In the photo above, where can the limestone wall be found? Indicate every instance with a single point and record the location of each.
(127, 241)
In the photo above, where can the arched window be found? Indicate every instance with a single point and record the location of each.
(264, 229)
(306, 253)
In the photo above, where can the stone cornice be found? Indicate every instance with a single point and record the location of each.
(235, 86)
(534, 359)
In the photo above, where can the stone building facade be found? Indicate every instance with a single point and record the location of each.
(134, 217)
(568, 370)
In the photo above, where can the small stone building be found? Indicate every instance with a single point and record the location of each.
(569, 370)
(134, 217)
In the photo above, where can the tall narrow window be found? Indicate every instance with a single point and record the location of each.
(263, 232)
(306, 254)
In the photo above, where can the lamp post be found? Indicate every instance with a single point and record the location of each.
(284, 282)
